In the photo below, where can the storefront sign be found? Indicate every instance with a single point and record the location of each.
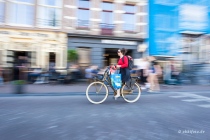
(119, 42)
(142, 47)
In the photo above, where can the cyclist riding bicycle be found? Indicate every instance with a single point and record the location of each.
(124, 70)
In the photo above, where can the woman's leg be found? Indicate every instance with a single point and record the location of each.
(148, 82)
(156, 83)
(152, 84)
(118, 94)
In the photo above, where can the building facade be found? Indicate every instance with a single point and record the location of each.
(97, 28)
(32, 29)
(43, 30)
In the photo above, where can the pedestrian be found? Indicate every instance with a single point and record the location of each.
(124, 69)
(88, 74)
(34, 74)
(144, 72)
(94, 71)
(155, 72)
(1, 76)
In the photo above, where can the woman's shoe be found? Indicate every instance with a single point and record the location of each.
(116, 96)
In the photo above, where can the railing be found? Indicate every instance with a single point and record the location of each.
(107, 26)
(107, 29)
(83, 23)
(51, 23)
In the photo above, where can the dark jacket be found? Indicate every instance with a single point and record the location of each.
(125, 74)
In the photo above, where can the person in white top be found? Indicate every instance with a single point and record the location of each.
(143, 72)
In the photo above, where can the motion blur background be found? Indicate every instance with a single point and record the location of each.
(66, 37)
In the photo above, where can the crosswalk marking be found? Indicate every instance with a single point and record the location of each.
(197, 100)
(193, 98)
(181, 96)
(205, 106)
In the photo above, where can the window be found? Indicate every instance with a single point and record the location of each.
(83, 13)
(57, 3)
(21, 12)
(107, 13)
(49, 13)
(2, 9)
(129, 18)
(107, 18)
(169, 22)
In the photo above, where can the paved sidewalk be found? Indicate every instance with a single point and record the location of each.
(46, 88)
(80, 88)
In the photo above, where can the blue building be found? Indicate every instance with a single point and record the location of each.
(172, 21)
(179, 30)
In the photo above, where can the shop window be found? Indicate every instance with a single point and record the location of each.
(21, 12)
(2, 13)
(107, 18)
(129, 18)
(84, 56)
(49, 13)
(83, 13)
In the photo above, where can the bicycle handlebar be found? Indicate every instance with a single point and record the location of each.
(110, 67)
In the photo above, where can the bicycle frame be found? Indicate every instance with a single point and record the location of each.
(106, 78)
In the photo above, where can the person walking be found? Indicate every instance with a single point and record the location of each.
(124, 70)
(155, 71)
(144, 72)
(88, 74)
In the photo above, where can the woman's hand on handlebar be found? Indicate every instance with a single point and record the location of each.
(113, 67)
(118, 66)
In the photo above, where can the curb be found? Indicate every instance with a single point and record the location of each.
(65, 94)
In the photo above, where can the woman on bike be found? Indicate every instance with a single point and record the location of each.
(124, 70)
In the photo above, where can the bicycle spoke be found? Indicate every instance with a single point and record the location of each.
(96, 92)
(131, 93)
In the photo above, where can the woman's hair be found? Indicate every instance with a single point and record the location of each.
(123, 51)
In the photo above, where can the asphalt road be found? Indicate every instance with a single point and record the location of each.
(182, 116)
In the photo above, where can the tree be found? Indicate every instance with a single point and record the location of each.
(72, 55)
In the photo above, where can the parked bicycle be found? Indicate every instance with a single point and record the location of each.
(98, 91)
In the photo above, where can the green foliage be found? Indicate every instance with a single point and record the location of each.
(72, 55)
(19, 82)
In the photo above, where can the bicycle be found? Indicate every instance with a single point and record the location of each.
(98, 91)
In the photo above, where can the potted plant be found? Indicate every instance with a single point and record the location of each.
(72, 56)
(19, 86)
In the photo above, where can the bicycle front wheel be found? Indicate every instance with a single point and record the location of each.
(97, 92)
(131, 93)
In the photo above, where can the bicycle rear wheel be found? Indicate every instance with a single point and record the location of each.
(131, 93)
(97, 92)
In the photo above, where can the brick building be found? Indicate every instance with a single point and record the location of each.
(43, 30)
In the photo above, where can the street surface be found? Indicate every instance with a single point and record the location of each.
(168, 116)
